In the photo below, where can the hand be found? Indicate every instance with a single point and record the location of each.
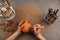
(37, 29)
(20, 27)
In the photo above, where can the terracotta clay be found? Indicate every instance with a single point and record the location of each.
(27, 26)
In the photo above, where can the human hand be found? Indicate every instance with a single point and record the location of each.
(37, 29)
(19, 29)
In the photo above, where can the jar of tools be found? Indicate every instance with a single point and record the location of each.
(52, 16)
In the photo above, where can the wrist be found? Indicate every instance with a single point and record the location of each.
(18, 31)
(39, 36)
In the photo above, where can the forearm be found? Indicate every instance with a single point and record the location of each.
(40, 37)
(13, 36)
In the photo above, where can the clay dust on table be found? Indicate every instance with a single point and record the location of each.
(29, 12)
(8, 25)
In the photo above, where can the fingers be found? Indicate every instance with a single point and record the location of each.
(37, 28)
(21, 23)
(34, 29)
(22, 26)
(42, 27)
